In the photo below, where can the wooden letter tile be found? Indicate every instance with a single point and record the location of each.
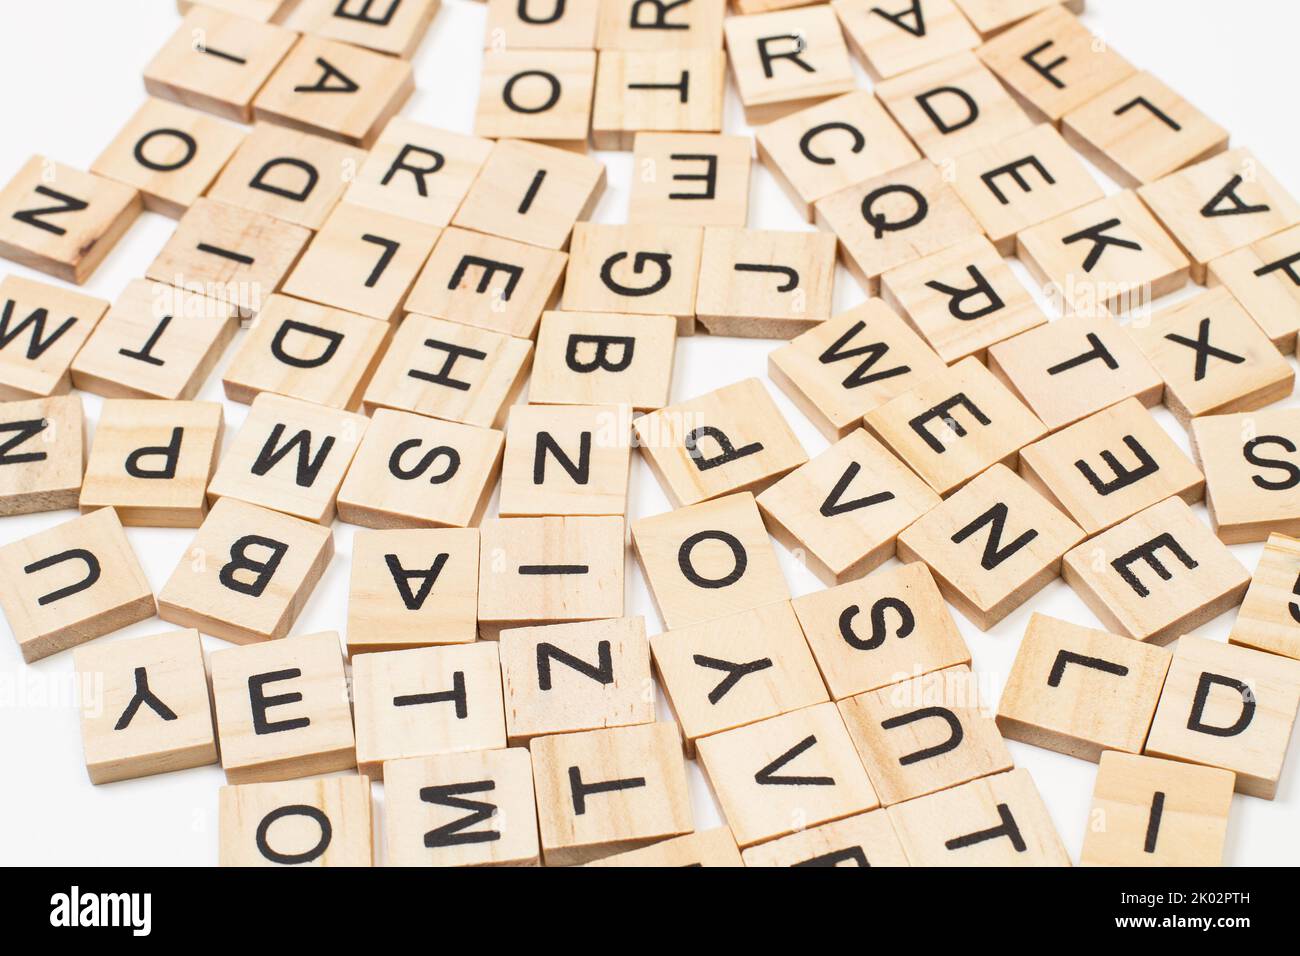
(542, 24)
(536, 94)
(716, 847)
(667, 91)
(42, 454)
(867, 839)
(630, 25)
(991, 17)
(1269, 617)
(1265, 279)
(593, 358)
(42, 328)
(571, 460)
(322, 822)
(393, 26)
(891, 43)
(690, 179)
(1252, 471)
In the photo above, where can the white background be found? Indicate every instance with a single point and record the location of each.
(71, 75)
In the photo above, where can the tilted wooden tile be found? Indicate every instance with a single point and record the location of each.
(708, 561)
(690, 179)
(70, 584)
(838, 371)
(1110, 466)
(282, 709)
(787, 60)
(1265, 279)
(416, 472)
(995, 821)
(61, 221)
(157, 341)
(216, 61)
(894, 42)
(667, 91)
(638, 270)
(566, 460)
(151, 461)
(894, 219)
(362, 261)
(1269, 617)
(229, 254)
(962, 299)
(395, 27)
(306, 351)
(784, 773)
(1021, 181)
(532, 193)
(488, 282)
(603, 792)
(150, 713)
(629, 25)
(42, 454)
(1081, 691)
(319, 822)
(170, 153)
(263, 11)
(925, 735)
(1148, 812)
(725, 673)
(763, 6)
(450, 371)
(1228, 707)
(426, 701)
(1140, 130)
(462, 809)
(418, 172)
(412, 588)
(954, 425)
(763, 283)
(536, 94)
(1052, 63)
(1157, 575)
(992, 545)
(57, 323)
(541, 25)
(289, 455)
(561, 678)
(1252, 472)
(245, 585)
(991, 17)
(549, 571)
(1075, 367)
(729, 440)
(1220, 205)
(1213, 357)
(867, 839)
(716, 847)
(594, 358)
(952, 107)
(824, 148)
(843, 510)
(880, 630)
(336, 90)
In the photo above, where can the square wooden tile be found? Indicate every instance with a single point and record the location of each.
(716, 847)
(759, 283)
(1081, 691)
(629, 25)
(289, 455)
(1156, 575)
(412, 588)
(170, 153)
(882, 629)
(992, 545)
(962, 299)
(561, 678)
(426, 701)
(536, 94)
(991, 17)
(42, 328)
(1269, 617)
(1228, 707)
(42, 454)
(534, 25)
(843, 510)
(1251, 474)
(450, 371)
(416, 472)
(594, 358)
(566, 460)
(310, 352)
(708, 561)
(924, 735)
(894, 42)
(319, 822)
(729, 440)
(243, 585)
(395, 28)
(602, 792)
(462, 809)
(61, 221)
(690, 179)
(70, 584)
(955, 425)
(822, 149)
(839, 370)
(667, 91)
(282, 709)
(1265, 279)
(1148, 812)
(157, 341)
(867, 839)
(781, 774)
(151, 461)
(1110, 466)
